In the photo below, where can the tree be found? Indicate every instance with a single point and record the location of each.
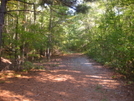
(110, 36)
(2, 16)
(23, 17)
(3, 11)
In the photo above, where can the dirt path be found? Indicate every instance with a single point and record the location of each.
(67, 78)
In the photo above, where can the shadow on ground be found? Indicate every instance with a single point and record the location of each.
(73, 79)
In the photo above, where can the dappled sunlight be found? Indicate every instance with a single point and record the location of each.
(94, 76)
(105, 82)
(60, 78)
(72, 79)
(63, 66)
(6, 95)
(66, 70)
(62, 93)
(110, 84)
(88, 63)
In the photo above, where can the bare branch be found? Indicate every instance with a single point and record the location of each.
(10, 14)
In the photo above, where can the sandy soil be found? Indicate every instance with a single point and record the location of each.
(71, 77)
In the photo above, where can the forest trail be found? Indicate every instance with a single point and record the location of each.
(71, 77)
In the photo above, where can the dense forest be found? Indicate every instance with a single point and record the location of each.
(34, 29)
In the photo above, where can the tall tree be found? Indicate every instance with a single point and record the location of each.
(2, 16)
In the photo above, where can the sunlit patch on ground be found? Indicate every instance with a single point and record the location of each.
(70, 78)
(10, 96)
(60, 78)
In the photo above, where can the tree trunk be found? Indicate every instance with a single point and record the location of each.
(2, 15)
(49, 43)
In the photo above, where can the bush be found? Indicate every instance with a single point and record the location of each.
(27, 65)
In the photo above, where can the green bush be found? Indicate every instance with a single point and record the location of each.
(27, 66)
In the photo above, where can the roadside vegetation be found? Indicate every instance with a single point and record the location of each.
(102, 29)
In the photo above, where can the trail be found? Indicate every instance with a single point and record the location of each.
(71, 77)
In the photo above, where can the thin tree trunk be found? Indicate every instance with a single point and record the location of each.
(2, 15)
(16, 38)
(24, 28)
(49, 47)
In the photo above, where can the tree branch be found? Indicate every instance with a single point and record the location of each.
(20, 10)
(10, 14)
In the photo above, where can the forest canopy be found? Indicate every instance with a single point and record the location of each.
(102, 29)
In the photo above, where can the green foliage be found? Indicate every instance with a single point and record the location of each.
(27, 66)
(29, 34)
(107, 35)
(113, 39)
(90, 0)
(82, 8)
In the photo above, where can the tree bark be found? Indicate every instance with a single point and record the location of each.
(2, 16)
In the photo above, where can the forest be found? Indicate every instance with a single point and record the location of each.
(39, 29)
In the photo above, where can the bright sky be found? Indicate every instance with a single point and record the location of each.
(78, 2)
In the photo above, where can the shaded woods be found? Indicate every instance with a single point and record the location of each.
(101, 29)
(42, 43)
